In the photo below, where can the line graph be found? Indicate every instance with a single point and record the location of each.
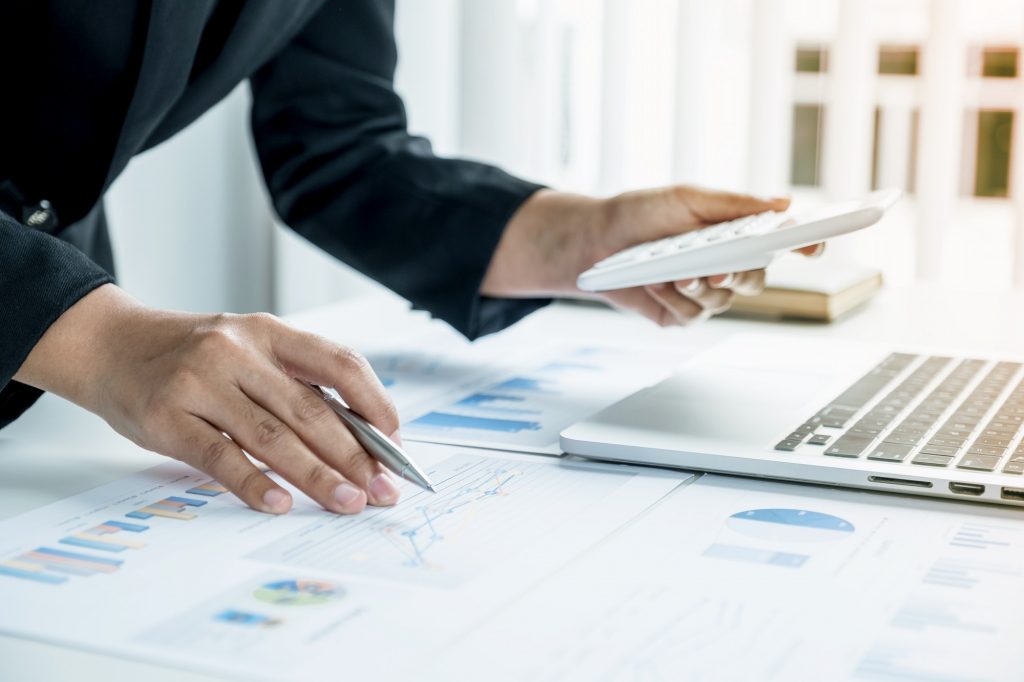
(486, 508)
(417, 541)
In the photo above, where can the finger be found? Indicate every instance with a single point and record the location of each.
(714, 206)
(683, 310)
(814, 250)
(271, 441)
(308, 415)
(209, 450)
(721, 281)
(713, 301)
(749, 283)
(319, 361)
(689, 286)
(638, 300)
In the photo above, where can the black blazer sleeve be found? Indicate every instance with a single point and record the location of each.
(344, 172)
(40, 277)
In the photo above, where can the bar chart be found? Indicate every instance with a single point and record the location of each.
(52, 566)
(525, 406)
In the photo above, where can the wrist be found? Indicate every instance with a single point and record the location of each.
(548, 242)
(73, 355)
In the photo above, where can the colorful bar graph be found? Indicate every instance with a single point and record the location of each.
(82, 564)
(186, 501)
(208, 489)
(92, 544)
(124, 542)
(138, 515)
(36, 576)
(130, 527)
(153, 510)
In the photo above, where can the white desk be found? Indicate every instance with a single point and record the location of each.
(57, 449)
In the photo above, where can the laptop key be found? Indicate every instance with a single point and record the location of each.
(1012, 467)
(891, 452)
(978, 462)
(941, 450)
(849, 446)
(819, 439)
(903, 439)
(1002, 442)
(986, 451)
(949, 442)
(788, 445)
(797, 436)
(929, 459)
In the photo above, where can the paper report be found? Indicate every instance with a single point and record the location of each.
(167, 566)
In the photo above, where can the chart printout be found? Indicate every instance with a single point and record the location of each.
(498, 396)
(167, 566)
(808, 583)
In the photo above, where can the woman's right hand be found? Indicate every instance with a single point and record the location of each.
(175, 383)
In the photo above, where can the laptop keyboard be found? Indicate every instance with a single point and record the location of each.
(944, 412)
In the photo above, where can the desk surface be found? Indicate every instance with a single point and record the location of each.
(42, 458)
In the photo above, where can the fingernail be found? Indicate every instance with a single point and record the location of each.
(396, 437)
(382, 490)
(690, 287)
(346, 493)
(819, 251)
(276, 501)
(727, 281)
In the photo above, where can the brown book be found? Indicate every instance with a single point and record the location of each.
(812, 289)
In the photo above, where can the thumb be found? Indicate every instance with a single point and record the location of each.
(714, 206)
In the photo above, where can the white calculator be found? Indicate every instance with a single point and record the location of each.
(746, 243)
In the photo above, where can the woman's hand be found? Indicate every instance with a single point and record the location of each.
(175, 383)
(554, 237)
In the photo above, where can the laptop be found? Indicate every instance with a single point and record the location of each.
(825, 411)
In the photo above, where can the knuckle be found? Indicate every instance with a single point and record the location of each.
(311, 408)
(251, 482)
(262, 320)
(217, 339)
(213, 454)
(316, 476)
(269, 431)
(351, 359)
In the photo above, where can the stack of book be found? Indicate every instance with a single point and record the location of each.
(811, 288)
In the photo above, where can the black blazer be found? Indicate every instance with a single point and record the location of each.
(329, 129)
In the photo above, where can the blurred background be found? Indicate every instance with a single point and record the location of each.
(812, 98)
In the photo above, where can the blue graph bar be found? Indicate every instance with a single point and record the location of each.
(186, 500)
(445, 420)
(138, 515)
(91, 544)
(76, 555)
(478, 399)
(203, 492)
(55, 565)
(521, 384)
(130, 527)
(757, 556)
(37, 576)
(568, 366)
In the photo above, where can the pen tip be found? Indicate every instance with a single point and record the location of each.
(431, 488)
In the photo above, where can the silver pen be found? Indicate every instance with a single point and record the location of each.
(376, 444)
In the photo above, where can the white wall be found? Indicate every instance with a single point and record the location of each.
(189, 221)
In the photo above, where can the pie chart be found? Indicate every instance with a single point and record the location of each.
(298, 592)
(796, 525)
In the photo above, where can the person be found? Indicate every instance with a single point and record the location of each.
(90, 85)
